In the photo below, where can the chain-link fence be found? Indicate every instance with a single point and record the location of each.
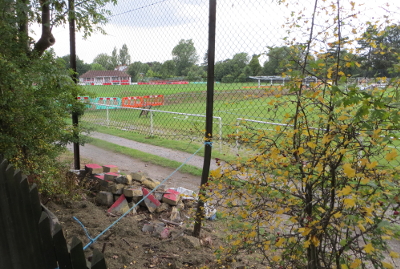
(149, 72)
(157, 86)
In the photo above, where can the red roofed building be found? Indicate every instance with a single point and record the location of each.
(105, 77)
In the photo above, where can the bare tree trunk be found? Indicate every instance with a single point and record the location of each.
(47, 39)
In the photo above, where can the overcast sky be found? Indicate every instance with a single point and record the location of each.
(151, 28)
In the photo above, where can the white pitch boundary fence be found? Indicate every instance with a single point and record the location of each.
(238, 120)
(168, 112)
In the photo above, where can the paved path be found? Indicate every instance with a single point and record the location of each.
(175, 155)
(127, 164)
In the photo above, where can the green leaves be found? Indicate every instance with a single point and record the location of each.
(37, 96)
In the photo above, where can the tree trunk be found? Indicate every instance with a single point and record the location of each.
(47, 39)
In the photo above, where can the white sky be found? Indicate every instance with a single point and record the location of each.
(151, 28)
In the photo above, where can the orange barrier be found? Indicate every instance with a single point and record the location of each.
(133, 101)
(142, 101)
(153, 100)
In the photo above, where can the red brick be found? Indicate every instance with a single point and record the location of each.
(120, 206)
(93, 168)
(99, 177)
(151, 202)
(171, 197)
(110, 176)
(110, 168)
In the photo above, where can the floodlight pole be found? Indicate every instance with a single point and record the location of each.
(72, 61)
(209, 115)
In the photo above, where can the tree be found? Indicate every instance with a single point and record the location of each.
(320, 189)
(196, 73)
(150, 74)
(255, 65)
(277, 57)
(38, 94)
(241, 78)
(239, 61)
(137, 70)
(378, 50)
(221, 69)
(156, 68)
(168, 69)
(22, 14)
(228, 79)
(329, 59)
(96, 66)
(81, 66)
(104, 60)
(124, 57)
(184, 55)
(233, 67)
(205, 59)
(114, 59)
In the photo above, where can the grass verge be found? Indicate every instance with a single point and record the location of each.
(146, 157)
(185, 146)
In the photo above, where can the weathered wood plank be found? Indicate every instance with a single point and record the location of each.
(98, 261)
(26, 239)
(16, 228)
(29, 217)
(5, 220)
(48, 253)
(77, 256)
(35, 202)
(61, 249)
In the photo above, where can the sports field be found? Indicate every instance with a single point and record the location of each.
(182, 116)
(183, 112)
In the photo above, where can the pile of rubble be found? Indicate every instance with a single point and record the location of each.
(122, 192)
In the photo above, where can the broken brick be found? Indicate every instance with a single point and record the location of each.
(110, 168)
(119, 207)
(135, 192)
(110, 176)
(151, 202)
(171, 197)
(93, 168)
(104, 198)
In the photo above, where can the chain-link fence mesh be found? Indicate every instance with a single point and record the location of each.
(155, 56)
(165, 77)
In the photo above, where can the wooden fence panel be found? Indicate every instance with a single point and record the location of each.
(77, 256)
(31, 219)
(5, 248)
(26, 238)
(47, 242)
(35, 202)
(61, 249)
(19, 233)
(9, 217)
(98, 261)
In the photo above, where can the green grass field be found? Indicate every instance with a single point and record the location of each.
(184, 119)
(141, 90)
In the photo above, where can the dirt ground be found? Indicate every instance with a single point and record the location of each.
(126, 245)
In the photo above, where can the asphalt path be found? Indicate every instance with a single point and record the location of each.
(127, 164)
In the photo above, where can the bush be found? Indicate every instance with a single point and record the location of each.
(228, 79)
